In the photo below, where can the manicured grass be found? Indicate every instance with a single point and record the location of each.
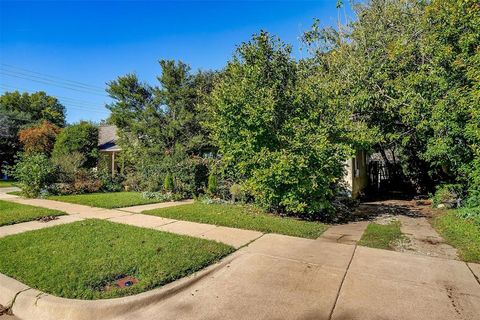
(381, 236)
(6, 183)
(243, 217)
(463, 234)
(11, 213)
(83, 259)
(106, 200)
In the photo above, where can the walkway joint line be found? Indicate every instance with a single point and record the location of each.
(341, 283)
(473, 273)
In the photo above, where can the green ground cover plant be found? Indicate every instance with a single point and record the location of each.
(107, 200)
(11, 213)
(82, 259)
(381, 236)
(462, 233)
(243, 217)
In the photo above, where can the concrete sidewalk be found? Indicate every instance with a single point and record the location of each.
(145, 207)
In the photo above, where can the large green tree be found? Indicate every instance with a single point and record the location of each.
(160, 125)
(19, 110)
(410, 69)
(278, 131)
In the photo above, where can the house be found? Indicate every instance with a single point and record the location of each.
(356, 176)
(107, 145)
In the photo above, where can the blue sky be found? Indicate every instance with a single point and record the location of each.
(95, 42)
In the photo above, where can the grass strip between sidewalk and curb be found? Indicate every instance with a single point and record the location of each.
(463, 234)
(84, 259)
(12, 213)
(381, 236)
(242, 217)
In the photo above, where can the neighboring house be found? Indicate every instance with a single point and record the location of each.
(356, 176)
(107, 145)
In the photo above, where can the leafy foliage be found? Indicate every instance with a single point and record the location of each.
(411, 72)
(18, 111)
(33, 173)
(160, 130)
(277, 131)
(38, 138)
(81, 138)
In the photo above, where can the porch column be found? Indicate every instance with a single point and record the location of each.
(113, 163)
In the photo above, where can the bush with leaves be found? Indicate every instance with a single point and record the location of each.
(33, 173)
(236, 192)
(110, 183)
(38, 138)
(81, 138)
(278, 131)
(67, 165)
(212, 186)
(448, 195)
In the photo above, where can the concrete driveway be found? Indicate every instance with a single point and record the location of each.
(280, 277)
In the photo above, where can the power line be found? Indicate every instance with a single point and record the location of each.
(10, 87)
(70, 104)
(79, 89)
(53, 77)
(79, 106)
(46, 80)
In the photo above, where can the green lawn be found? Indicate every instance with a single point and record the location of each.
(107, 199)
(243, 217)
(11, 213)
(83, 259)
(381, 236)
(463, 234)
(6, 183)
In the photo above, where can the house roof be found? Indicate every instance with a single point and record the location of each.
(107, 138)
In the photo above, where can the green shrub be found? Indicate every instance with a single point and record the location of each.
(168, 182)
(212, 186)
(473, 199)
(162, 196)
(68, 165)
(33, 173)
(81, 138)
(236, 192)
(86, 182)
(448, 195)
(111, 183)
(132, 181)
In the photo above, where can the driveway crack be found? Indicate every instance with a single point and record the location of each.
(473, 273)
(341, 283)
(9, 308)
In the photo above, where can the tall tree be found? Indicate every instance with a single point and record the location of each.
(277, 131)
(160, 125)
(21, 110)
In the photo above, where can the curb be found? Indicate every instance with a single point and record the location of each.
(30, 304)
